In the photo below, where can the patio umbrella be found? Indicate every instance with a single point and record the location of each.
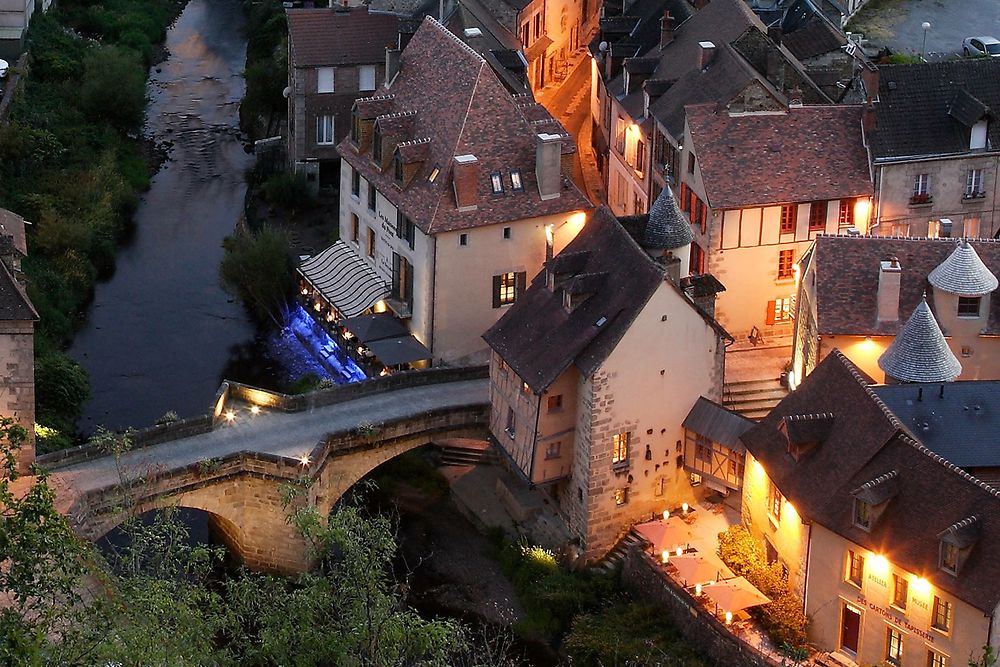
(700, 568)
(735, 594)
(375, 327)
(402, 350)
(665, 535)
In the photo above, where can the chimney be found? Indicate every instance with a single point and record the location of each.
(666, 29)
(868, 118)
(391, 65)
(889, 273)
(548, 165)
(775, 33)
(795, 97)
(870, 78)
(706, 51)
(465, 178)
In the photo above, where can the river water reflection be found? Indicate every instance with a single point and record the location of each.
(161, 334)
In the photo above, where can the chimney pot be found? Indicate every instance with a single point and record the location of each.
(548, 165)
(706, 51)
(889, 274)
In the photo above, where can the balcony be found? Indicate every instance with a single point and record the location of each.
(403, 308)
(921, 199)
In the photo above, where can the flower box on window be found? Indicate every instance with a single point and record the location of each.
(918, 199)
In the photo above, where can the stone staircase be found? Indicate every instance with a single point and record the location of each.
(613, 559)
(753, 398)
(462, 452)
(832, 660)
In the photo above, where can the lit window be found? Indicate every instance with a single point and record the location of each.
(862, 514)
(504, 289)
(516, 184)
(941, 616)
(496, 182)
(619, 447)
(555, 403)
(817, 216)
(434, 174)
(968, 306)
(900, 590)
(855, 567)
(936, 659)
(894, 646)
(784, 309)
(324, 79)
(774, 501)
(621, 496)
(324, 130)
(786, 258)
(552, 450)
(971, 226)
(845, 217)
(789, 213)
(949, 557)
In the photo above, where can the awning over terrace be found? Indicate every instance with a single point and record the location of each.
(344, 279)
(396, 351)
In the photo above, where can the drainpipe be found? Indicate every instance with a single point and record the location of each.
(430, 329)
(993, 212)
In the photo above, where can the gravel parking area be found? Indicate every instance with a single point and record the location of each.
(897, 24)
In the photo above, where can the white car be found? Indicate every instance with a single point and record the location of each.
(3, 68)
(981, 46)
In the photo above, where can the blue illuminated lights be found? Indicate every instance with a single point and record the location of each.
(315, 351)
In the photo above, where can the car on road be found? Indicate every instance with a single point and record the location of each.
(3, 68)
(981, 46)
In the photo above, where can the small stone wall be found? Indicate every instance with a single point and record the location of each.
(644, 577)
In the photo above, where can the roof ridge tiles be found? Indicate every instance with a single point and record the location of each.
(468, 49)
(413, 142)
(396, 114)
(881, 479)
(937, 458)
(860, 378)
(810, 416)
(376, 98)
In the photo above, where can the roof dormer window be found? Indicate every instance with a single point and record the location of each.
(496, 182)
(431, 177)
(377, 144)
(949, 558)
(516, 184)
(872, 498)
(355, 126)
(957, 542)
(397, 166)
(862, 515)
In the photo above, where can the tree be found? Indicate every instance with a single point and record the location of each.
(257, 268)
(114, 87)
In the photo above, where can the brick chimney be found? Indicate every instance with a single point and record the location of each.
(391, 65)
(666, 29)
(889, 273)
(870, 77)
(706, 51)
(868, 117)
(548, 165)
(465, 178)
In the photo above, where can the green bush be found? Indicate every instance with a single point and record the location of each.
(114, 88)
(257, 268)
(288, 191)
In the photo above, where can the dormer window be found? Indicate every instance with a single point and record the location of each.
(355, 127)
(397, 167)
(516, 184)
(496, 182)
(862, 515)
(377, 145)
(434, 174)
(957, 542)
(968, 306)
(949, 558)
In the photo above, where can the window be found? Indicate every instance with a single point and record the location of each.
(786, 259)
(355, 127)
(862, 514)
(510, 423)
(893, 646)
(620, 136)
(552, 450)
(324, 79)
(774, 501)
(968, 306)
(789, 213)
(555, 403)
(949, 557)
(971, 227)
(640, 155)
(397, 167)
(855, 567)
(506, 232)
(621, 496)
(377, 145)
(434, 174)
(974, 183)
(703, 452)
(921, 185)
(845, 218)
(366, 78)
(405, 229)
(619, 447)
(463, 239)
(355, 227)
(371, 242)
(516, 184)
(941, 615)
(900, 590)
(324, 130)
(817, 216)
(371, 197)
(936, 659)
(784, 309)
(684, 196)
(507, 287)
(402, 279)
(496, 182)
(355, 183)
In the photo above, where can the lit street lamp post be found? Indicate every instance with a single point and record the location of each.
(926, 26)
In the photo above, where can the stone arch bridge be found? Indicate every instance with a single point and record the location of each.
(234, 463)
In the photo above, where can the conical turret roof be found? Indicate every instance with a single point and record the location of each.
(919, 352)
(667, 228)
(963, 273)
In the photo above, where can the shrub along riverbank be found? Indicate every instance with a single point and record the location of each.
(72, 162)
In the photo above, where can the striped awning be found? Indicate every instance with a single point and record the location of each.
(344, 279)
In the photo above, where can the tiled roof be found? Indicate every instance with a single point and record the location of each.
(540, 339)
(320, 37)
(462, 107)
(807, 153)
(926, 109)
(717, 423)
(666, 228)
(867, 441)
(14, 303)
(847, 279)
(919, 352)
(963, 273)
(816, 37)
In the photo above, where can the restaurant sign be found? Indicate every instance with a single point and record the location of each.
(890, 616)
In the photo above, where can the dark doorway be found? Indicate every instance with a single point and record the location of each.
(850, 629)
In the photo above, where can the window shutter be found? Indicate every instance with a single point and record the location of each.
(769, 318)
(704, 216)
(496, 291)
(519, 278)
(409, 280)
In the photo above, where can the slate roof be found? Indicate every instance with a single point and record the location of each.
(462, 108)
(963, 273)
(807, 153)
(847, 279)
(928, 109)
(865, 442)
(539, 339)
(959, 421)
(816, 37)
(717, 423)
(319, 37)
(14, 303)
(666, 227)
(919, 352)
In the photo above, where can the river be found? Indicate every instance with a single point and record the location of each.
(162, 333)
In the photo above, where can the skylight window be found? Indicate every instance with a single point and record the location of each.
(434, 174)
(497, 182)
(515, 181)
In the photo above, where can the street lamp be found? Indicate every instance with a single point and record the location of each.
(926, 25)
